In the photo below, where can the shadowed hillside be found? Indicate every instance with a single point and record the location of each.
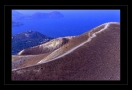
(45, 48)
(28, 39)
(94, 55)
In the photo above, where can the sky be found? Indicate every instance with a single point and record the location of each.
(79, 20)
(69, 12)
(30, 12)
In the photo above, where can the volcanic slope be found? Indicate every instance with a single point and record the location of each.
(53, 49)
(33, 55)
(94, 55)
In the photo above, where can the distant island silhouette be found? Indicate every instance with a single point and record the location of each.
(28, 39)
(16, 24)
(38, 15)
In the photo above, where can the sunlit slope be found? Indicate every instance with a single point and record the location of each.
(98, 58)
(55, 48)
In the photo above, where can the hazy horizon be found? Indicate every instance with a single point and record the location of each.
(70, 12)
(74, 22)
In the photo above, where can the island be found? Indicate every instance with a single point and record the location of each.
(28, 39)
(37, 15)
(16, 24)
(40, 15)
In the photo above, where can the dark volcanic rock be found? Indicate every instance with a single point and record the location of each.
(45, 48)
(97, 59)
(28, 39)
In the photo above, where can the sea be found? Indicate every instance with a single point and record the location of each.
(71, 24)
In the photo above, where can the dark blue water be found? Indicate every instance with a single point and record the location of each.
(72, 24)
(14, 53)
